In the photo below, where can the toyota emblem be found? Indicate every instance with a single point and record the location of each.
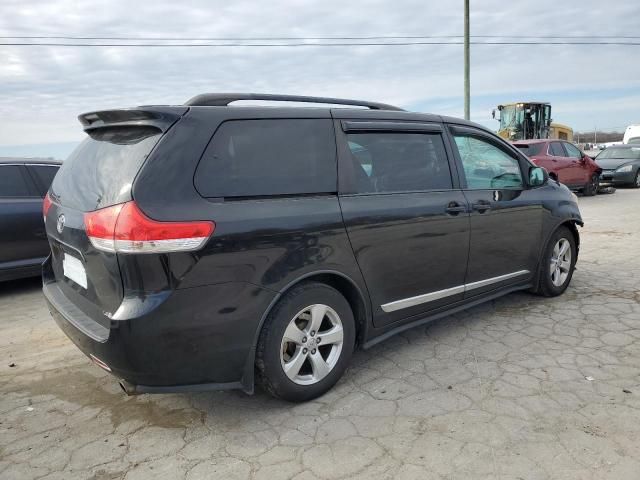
(60, 224)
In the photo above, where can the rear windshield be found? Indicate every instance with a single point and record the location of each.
(269, 157)
(100, 171)
(530, 149)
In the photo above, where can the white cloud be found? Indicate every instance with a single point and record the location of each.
(45, 88)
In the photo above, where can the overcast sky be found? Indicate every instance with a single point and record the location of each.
(45, 88)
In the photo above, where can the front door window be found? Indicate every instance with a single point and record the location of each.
(487, 167)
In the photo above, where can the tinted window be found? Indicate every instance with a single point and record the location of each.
(531, 149)
(486, 166)
(399, 162)
(12, 183)
(44, 176)
(572, 151)
(269, 157)
(100, 171)
(556, 150)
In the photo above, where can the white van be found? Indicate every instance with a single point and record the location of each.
(632, 134)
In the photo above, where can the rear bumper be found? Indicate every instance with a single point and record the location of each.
(197, 339)
(611, 178)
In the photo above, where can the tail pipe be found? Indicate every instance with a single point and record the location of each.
(129, 388)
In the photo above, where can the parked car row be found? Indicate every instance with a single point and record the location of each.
(618, 165)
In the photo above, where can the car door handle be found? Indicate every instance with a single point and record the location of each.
(481, 206)
(454, 208)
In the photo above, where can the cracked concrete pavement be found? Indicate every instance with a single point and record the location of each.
(519, 388)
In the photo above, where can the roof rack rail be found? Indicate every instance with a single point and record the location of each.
(224, 99)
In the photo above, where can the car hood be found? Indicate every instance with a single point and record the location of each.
(613, 163)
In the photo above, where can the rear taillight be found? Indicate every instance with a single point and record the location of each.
(46, 205)
(124, 228)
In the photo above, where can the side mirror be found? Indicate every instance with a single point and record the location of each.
(538, 176)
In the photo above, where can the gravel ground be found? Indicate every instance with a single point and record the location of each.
(520, 388)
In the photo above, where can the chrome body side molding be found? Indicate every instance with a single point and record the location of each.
(427, 297)
(489, 281)
(437, 295)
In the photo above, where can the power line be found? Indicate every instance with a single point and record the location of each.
(317, 44)
(322, 38)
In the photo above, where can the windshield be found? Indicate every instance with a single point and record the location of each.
(620, 153)
(511, 117)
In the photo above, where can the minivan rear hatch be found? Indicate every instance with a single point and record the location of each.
(98, 174)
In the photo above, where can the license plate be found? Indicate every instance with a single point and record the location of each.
(74, 270)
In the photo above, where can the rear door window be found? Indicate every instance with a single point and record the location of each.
(249, 158)
(556, 150)
(101, 170)
(398, 162)
(12, 182)
(531, 149)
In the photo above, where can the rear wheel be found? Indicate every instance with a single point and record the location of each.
(306, 343)
(636, 182)
(557, 264)
(591, 188)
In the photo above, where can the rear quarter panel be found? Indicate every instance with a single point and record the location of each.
(268, 242)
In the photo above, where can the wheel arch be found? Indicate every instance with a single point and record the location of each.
(572, 225)
(637, 172)
(357, 298)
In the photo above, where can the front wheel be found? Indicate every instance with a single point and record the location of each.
(306, 343)
(636, 181)
(591, 188)
(557, 263)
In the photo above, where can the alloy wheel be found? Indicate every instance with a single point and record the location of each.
(311, 344)
(560, 264)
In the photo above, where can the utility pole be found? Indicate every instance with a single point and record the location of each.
(467, 87)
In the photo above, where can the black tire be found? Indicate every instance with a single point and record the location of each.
(269, 370)
(546, 286)
(591, 188)
(636, 182)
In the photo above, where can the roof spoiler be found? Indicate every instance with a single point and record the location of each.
(224, 99)
(159, 117)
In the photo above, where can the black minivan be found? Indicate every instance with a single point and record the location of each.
(210, 246)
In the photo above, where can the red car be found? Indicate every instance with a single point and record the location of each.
(564, 162)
